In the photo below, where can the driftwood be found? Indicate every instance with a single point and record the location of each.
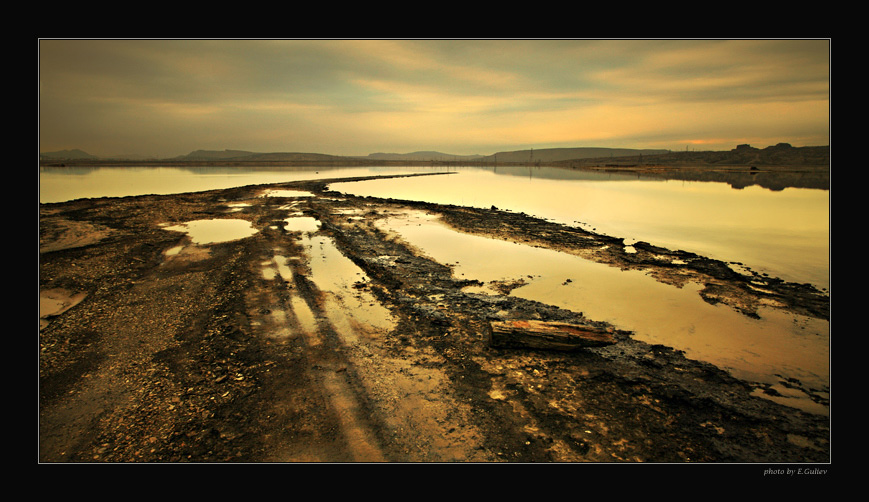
(548, 335)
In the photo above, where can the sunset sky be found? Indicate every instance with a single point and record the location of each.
(166, 98)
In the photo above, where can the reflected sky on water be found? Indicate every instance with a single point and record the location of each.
(784, 233)
(770, 349)
(60, 184)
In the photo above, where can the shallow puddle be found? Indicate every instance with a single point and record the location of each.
(301, 224)
(332, 272)
(214, 231)
(350, 308)
(777, 346)
(307, 320)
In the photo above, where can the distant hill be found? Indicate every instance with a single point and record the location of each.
(541, 155)
(244, 156)
(422, 156)
(213, 155)
(75, 154)
(558, 154)
(782, 154)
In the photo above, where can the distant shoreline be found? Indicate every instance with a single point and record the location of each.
(781, 156)
(621, 164)
(773, 177)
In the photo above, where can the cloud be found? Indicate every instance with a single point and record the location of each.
(174, 96)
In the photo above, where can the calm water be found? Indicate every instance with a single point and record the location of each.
(63, 184)
(783, 233)
(769, 350)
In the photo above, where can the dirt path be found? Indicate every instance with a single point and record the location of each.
(337, 342)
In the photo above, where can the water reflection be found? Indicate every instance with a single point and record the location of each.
(301, 224)
(769, 350)
(60, 184)
(214, 231)
(785, 233)
(352, 310)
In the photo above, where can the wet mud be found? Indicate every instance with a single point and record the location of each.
(323, 337)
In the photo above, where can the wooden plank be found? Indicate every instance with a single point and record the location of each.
(547, 335)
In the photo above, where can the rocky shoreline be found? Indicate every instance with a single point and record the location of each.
(204, 356)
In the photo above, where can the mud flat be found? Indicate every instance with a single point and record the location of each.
(312, 333)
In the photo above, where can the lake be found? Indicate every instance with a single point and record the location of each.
(59, 184)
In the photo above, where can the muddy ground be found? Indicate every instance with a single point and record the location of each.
(204, 356)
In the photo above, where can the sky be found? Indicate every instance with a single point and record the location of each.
(165, 98)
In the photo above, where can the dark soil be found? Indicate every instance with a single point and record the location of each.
(185, 358)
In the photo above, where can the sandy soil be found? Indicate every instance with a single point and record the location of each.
(157, 349)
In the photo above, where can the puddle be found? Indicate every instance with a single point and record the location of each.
(278, 323)
(301, 224)
(351, 309)
(214, 231)
(307, 320)
(279, 266)
(301, 313)
(767, 350)
(269, 270)
(794, 398)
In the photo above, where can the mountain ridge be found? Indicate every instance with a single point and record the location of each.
(67, 154)
(422, 155)
(780, 154)
(558, 154)
(543, 154)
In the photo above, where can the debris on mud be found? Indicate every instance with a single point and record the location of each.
(253, 350)
(548, 335)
